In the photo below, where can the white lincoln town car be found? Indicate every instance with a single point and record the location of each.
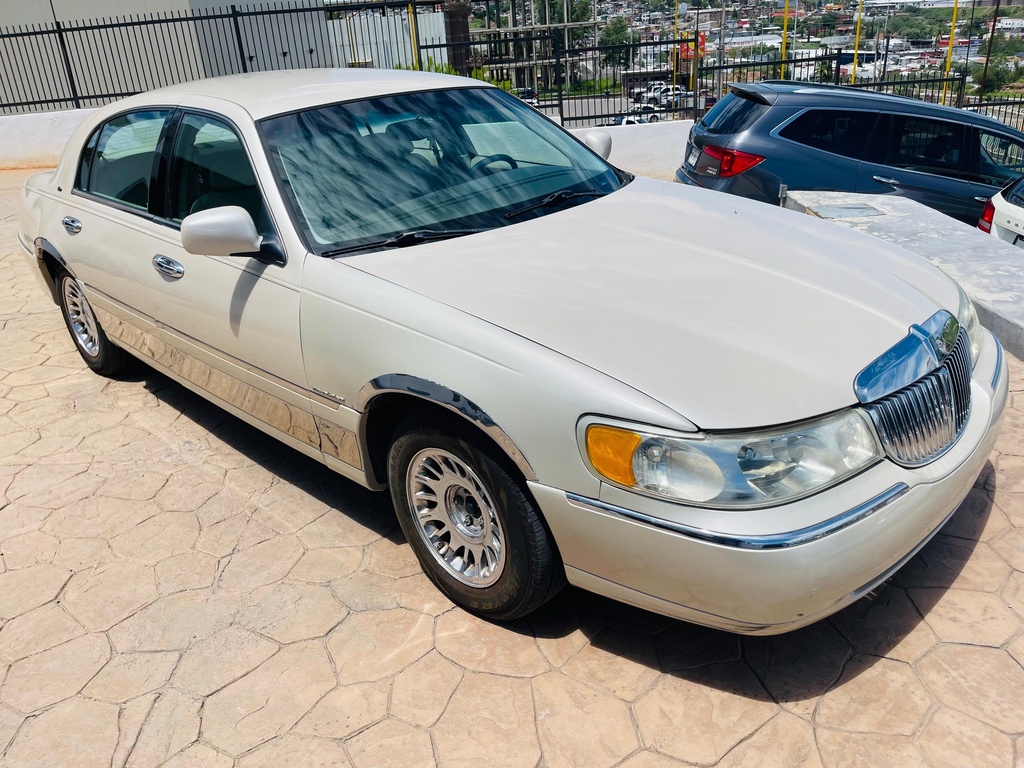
(686, 401)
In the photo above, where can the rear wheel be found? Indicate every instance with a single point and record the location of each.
(476, 534)
(90, 340)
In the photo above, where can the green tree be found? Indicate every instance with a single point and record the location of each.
(616, 33)
(580, 10)
(1000, 74)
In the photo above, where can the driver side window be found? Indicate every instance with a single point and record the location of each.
(210, 169)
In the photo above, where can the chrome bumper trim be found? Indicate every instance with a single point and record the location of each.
(756, 542)
(999, 362)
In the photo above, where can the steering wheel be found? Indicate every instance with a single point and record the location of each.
(488, 159)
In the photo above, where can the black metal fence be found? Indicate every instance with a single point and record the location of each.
(63, 65)
(936, 90)
(1006, 110)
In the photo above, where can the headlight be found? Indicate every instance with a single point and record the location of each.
(735, 471)
(968, 318)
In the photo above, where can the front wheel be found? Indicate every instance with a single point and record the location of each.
(476, 534)
(90, 340)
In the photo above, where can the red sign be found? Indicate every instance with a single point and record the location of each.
(686, 49)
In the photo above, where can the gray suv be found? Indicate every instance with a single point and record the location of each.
(826, 137)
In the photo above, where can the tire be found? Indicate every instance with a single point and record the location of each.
(91, 342)
(653, 118)
(484, 545)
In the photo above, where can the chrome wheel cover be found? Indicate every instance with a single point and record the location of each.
(456, 517)
(83, 323)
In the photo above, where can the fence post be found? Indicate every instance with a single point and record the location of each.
(67, 65)
(414, 35)
(962, 88)
(838, 66)
(557, 48)
(235, 15)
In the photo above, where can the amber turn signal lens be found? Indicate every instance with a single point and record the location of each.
(611, 452)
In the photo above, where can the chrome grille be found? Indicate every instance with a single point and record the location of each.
(920, 422)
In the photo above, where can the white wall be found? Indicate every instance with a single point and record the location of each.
(36, 140)
(38, 11)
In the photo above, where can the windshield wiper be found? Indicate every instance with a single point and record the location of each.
(403, 239)
(554, 197)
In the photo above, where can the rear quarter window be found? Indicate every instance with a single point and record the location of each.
(733, 114)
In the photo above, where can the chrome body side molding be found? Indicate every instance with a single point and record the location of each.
(449, 399)
(757, 542)
(278, 414)
(341, 443)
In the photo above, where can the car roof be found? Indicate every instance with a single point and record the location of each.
(792, 94)
(263, 94)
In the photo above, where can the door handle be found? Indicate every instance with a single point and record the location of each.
(168, 267)
(886, 180)
(72, 225)
(981, 199)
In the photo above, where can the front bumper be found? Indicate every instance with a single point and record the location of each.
(773, 570)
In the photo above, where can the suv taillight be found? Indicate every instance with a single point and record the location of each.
(985, 222)
(724, 163)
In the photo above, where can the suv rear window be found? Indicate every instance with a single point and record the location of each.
(842, 131)
(1014, 193)
(732, 114)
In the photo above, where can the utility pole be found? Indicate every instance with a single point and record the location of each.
(721, 52)
(988, 55)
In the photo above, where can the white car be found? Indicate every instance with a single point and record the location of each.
(428, 286)
(642, 94)
(1003, 215)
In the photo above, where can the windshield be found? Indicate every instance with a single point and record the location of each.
(460, 159)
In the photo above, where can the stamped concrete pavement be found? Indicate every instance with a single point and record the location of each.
(177, 589)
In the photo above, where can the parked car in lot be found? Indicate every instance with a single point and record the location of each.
(817, 137)
(667, 94)
(529, 95)
(433, 289)
(641, 95)
(1003, 215)
(646, 112)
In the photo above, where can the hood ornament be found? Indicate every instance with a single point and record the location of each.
(917, 354)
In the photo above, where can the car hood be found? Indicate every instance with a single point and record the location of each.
(732, 313)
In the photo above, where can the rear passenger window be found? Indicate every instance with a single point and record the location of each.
(843, 132)
(930, 146)
(117, 163)
(732, 114)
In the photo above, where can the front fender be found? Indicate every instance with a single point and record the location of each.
(362, 336)
(450, 400)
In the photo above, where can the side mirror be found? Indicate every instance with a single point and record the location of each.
(599, 141)
(226, 231)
